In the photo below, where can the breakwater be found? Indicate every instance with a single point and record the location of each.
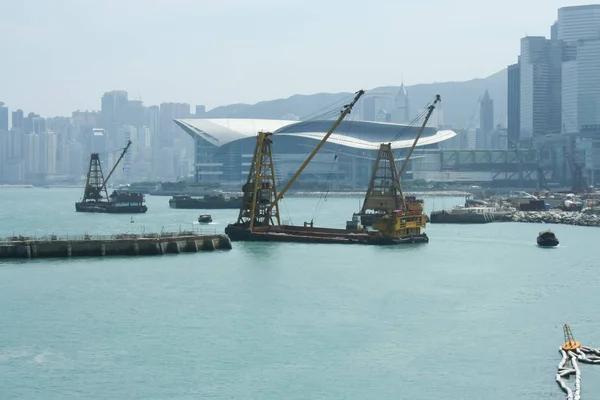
(585, 218)
(449, 193)
(111, 245)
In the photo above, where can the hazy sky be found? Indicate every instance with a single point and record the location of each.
(60, 55)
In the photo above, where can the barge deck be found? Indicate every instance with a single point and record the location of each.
(304, 234)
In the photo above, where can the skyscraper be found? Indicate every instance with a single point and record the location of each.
(540, 81)
(168, 129)
(3, 117)
(17, 119)
(579, 30)
(114, 108)
(514, 104)
(401, 112)
(368, 108)
(486, 113)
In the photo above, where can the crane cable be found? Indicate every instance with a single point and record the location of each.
(331, 110)
(323, 197)
(421, 114)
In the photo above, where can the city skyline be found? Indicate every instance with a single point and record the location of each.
(548, 104)
(223, 53)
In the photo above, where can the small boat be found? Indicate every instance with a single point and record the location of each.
(204, 219)
(547, 239)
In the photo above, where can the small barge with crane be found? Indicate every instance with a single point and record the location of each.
(95, 195)
(259, 218)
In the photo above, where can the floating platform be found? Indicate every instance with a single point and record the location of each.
(306, 234)
(115, 245)
(110, 208)
(464, 216)
(207, 202)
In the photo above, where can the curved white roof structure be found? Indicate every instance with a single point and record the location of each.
(354, 134)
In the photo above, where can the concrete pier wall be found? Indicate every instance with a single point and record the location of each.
(117, 245)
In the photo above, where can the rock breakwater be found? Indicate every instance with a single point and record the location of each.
(454, 193)
(585, 218)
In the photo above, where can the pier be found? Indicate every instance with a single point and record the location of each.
(111, 245)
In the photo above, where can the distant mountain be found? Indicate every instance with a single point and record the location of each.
(459, 101)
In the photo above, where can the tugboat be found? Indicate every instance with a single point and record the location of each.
(204, 219)
(547, 239)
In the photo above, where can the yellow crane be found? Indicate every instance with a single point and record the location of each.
(260, 203)
(399, 217)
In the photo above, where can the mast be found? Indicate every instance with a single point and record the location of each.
(95, 188)
(259, 190)
(384, 193)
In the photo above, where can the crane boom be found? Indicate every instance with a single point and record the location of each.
(346, 111)
(429, 112)
(117, 163)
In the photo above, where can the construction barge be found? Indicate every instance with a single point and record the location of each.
(95, 196)
(400, 221)
(209, 202)
(112, 245)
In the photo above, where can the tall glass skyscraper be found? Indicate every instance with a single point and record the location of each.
(540, 82)
(579, 30)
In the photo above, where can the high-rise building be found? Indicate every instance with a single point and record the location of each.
(483, 138)
(17, 119)
(114, 110)
(135, 113)
(33, 123)
(10, 156)
(31, 153)
(200, 111)
(368, 108)
(486, 113)
(514, 104)
(401, 113)
(578, 22)
(85, 118)
(49, 148)
(540, 81)
(168, 113)
(579, 31)
(3, 117)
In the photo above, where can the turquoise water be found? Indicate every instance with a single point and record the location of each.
(476, 313)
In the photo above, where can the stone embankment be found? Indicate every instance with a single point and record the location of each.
(584, 218)
(454, 193)
(114, 245)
